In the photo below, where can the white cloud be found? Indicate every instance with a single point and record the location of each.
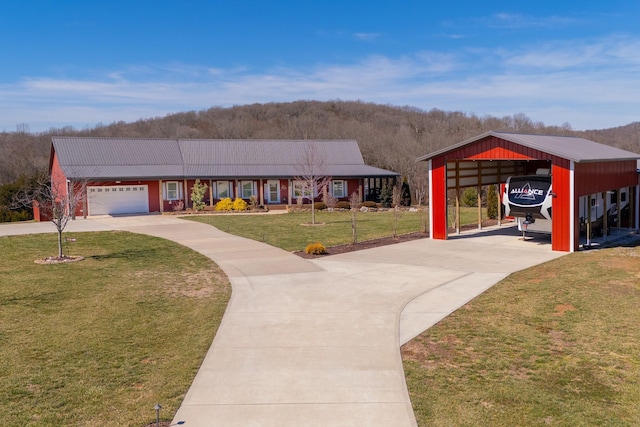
(518, 21)
(366, 36)
(590, 83)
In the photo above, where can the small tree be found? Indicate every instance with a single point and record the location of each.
(492, 202)
(396, 212)
(470, 197)
(329, 200)
(197, 195)
(311, 176)
(58, 202)
(386, 195)
(354, 202)
(405, 199)
(420, 184)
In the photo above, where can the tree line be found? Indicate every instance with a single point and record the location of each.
(390, 137)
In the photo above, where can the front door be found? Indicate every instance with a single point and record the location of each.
(273, 193)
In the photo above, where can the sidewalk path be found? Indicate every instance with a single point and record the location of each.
(316, 342)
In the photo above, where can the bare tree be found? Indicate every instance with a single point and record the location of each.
(421, 187)
(56, 202)
(312, 176)
(354, 203)
(396, 210)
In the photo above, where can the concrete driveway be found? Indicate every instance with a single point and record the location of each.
(317, 342)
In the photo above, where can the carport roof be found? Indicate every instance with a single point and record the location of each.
(568, 147)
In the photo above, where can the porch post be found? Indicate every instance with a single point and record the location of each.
(186, 201)
(261, 191)
(160, 196)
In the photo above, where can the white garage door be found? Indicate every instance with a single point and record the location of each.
(118, 199)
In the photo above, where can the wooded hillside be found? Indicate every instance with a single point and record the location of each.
(389, 137)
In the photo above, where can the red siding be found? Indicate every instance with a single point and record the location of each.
(58, 178)
(492, 148)
(284, 191)
(353, 185)
(439, 198)
(598, 177)
(561, 207)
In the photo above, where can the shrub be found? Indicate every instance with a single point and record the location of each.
(239, 205)
(470, 197)
(405, 199)
(343, 204)
(224, 205)
(493, 202)
(386, 195)
(369, 204)
(7, 215)
(253, 203)
(316, 248)
(320, 206)
(329, 200)
(197, 195)
(178, 206)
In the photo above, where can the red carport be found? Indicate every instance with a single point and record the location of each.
(579, 167)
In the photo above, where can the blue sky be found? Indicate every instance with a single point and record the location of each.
(83, 62)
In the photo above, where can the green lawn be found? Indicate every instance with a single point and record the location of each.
(290, 231)
(557, 344)
(99, 342)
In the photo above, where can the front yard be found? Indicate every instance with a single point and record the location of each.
(101, 341)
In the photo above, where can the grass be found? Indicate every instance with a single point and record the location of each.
(557, 344)
(290, 231)
(101, 341)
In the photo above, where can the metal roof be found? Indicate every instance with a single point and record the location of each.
(568, 147)
(134, 158)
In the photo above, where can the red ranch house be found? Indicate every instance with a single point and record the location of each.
(137, 175)
(579, 169)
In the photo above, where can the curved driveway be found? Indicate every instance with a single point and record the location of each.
(316, 342)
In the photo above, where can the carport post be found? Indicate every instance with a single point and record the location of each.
(635, 207)
(619, 211)
(479, 207)
(605, 215)
(458, 210)
(499, 205)
(588, 227)
(632, 209)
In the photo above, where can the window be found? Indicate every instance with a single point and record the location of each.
(223, 189)
(173, 191)
(339, 188)
(247, 189)
(299, 189)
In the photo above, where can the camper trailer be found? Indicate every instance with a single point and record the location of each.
(528, 200)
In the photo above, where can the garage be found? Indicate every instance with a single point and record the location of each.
(588, 181)
(118, 199)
